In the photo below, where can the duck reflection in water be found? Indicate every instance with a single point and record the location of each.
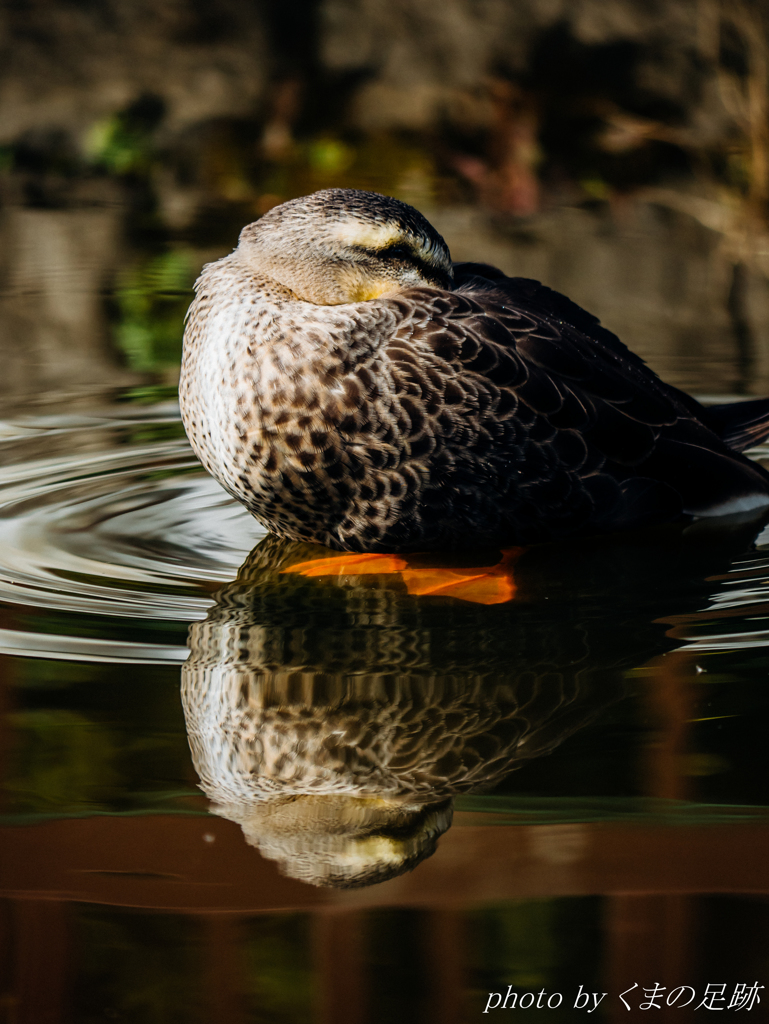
(336, 717)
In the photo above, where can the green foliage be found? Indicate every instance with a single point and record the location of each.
(118, 147)
(64, 762)
(329, 156)
(550, 944)
(279, 969)
(119, 745)
(519, 942)
(152, 299)
(123, 144)
(149, 394)
(138, 967)
(386, 163)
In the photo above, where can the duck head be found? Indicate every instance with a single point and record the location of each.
(340, 840)
(341, 245)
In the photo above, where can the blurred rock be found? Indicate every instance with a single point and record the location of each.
(67, 65)
(657, 277)
(420, 55)
(55, 267)
(618, 150)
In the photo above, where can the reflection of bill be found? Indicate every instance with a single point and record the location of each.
(335, 715)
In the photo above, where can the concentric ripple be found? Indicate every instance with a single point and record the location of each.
(113, 539)
(110, 517)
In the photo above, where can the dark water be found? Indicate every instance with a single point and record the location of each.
(577, 775)
(240, 782)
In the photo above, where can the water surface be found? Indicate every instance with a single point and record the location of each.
(583, 766)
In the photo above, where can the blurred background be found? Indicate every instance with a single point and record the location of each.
(616, 149)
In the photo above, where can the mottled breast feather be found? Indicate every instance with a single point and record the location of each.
(496, 413)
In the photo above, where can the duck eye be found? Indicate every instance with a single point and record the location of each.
(397, 252)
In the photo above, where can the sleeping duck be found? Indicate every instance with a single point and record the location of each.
(353, 387)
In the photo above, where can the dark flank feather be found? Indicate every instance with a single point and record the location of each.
(740, 425)
(352, 387)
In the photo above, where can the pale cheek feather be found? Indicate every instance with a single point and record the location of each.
(368, 236)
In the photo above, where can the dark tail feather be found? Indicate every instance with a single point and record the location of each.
(740, 424)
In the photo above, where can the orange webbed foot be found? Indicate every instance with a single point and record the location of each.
(484, 585)
(349, 565)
